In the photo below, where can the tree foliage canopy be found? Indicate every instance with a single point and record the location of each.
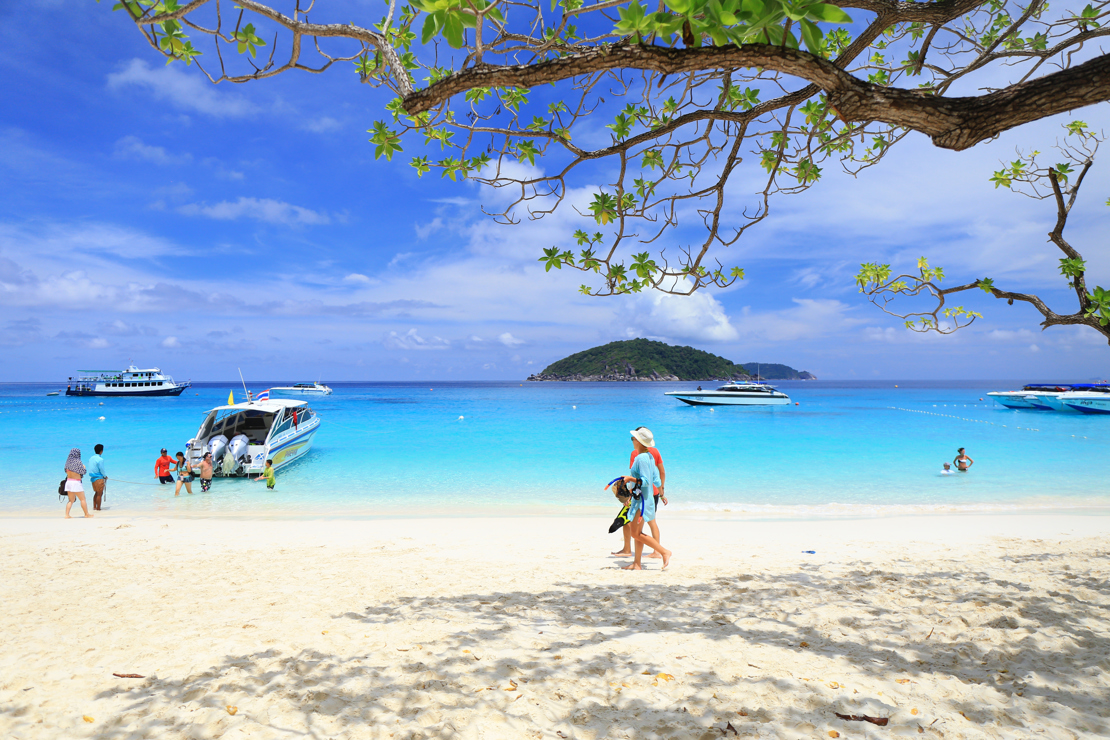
(699, 111)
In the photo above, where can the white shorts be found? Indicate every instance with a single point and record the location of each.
(73, 485)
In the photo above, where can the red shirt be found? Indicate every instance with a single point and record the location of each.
(162, 465)
(658, 463)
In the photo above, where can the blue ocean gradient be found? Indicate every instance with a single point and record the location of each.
(512, 448)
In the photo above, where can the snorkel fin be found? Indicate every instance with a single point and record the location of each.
(622, 518)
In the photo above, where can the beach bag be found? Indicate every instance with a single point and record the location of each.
(62, 495)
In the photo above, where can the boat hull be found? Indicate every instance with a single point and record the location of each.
(1089, 405)
(126, 392)
(294, 393)
(1012, 400)
(712, 398)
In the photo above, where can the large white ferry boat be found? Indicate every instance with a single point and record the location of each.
(133, 381)
(734, 394)
(242, 436)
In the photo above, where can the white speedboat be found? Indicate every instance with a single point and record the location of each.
(1034, 397)
(131, 382)
(302, 389)
(242, 436)
(1090, 398)
(734, 394)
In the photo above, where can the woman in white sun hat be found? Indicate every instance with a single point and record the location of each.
(646, 473)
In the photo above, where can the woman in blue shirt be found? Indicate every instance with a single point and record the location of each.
(644, 471)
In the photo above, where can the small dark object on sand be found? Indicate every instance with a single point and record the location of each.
(809, 552)
(127, 675)
(880, 721)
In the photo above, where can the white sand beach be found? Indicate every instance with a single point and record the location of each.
(947, 626)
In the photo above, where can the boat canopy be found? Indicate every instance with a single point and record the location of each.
(272, 406)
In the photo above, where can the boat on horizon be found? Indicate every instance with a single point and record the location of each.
(734, 394)
(302, 389)
(242, 436)
(131, 382)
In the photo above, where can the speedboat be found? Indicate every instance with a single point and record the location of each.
(734, 394)
(1090, 398)
(1037, 397)
(243, 436)
(131, 382)
(302, 389)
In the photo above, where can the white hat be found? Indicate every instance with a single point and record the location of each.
(644, 435)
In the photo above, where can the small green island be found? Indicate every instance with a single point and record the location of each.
(649, 360)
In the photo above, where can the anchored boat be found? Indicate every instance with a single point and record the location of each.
(1090, 398)
(1041, 397)
(734, 394)
(130, 382)
(302, 389)
(242, 436)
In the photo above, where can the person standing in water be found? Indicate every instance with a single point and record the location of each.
(649, 441)
(75, 471)
(962, 461)
(97, 476)
(646, 474)
(268, 475)
(184, 475)
(162, 467)
(206, 472)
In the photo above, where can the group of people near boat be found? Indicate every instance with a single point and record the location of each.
(640, 493)
(165, 466)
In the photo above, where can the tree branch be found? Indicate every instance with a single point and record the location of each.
(952, 123)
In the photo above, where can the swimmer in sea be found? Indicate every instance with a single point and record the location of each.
(947, 470)
(962, 461)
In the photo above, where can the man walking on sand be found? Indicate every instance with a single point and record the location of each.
(98, 476)
(644, 473)
(658, 491)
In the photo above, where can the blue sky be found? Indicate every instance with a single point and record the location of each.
(150, 215)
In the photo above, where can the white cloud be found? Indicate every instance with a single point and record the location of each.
(260, 209)
(697, 317)
(132, 147)
(412, 340)
(509, 340)
(810, 318)
(1008, 335)
(357, 277)
(423, 232)
(182, 88)
(1034, 348)
(170, 342)
(321, 125)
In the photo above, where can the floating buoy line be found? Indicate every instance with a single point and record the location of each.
(973, 421)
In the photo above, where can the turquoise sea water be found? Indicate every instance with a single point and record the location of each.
(393, 449)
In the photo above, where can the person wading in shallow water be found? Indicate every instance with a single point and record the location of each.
(162, 467)
(646, 474)
(206, 472)
(963, 462)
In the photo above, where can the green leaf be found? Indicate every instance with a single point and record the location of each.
(828, 13)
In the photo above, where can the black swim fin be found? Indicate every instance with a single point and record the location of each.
(621, 520)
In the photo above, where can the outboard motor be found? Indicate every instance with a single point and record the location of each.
(238, 453)
(217, 446)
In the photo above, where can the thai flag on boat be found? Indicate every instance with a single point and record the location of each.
(263, 396)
